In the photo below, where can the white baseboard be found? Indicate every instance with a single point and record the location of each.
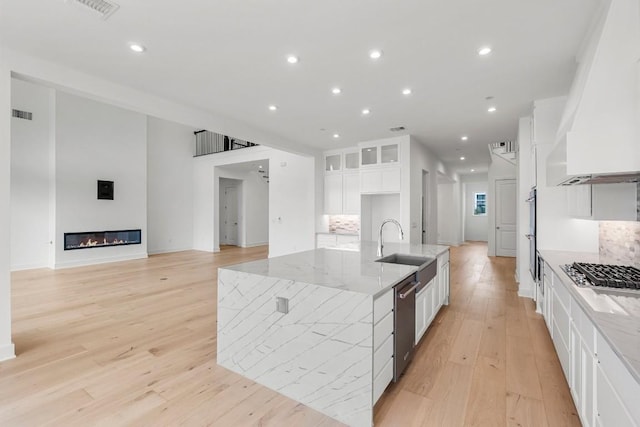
(169, 251)
(94, 261)
(517, 276)
(525, 291)
(7, 352)
(253, 245)
(33, 266)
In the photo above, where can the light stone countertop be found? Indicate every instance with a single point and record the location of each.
(337, 233)
(617, 317)
(348, 267)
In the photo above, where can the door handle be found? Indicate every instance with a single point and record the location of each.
(497, 228)
(528, 236)
(406, 293)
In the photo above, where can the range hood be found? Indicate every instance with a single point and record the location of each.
(598, 140)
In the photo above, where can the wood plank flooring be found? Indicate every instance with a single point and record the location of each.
(134, 343)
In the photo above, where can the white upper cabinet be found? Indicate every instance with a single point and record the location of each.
(333, 162)
(379, 154)
(342, 182)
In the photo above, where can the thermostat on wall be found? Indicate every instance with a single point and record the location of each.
(105, 190)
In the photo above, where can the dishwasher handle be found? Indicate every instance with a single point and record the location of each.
(412, 287)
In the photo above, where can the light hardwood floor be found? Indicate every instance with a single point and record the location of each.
(134, 343)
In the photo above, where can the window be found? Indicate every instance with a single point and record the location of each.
(480, 203)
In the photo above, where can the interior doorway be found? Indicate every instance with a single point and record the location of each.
(230, 191)
(506, 219)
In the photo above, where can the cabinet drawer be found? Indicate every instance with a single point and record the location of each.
(561, 322)
(382, 305)
(443, 259)
(563, 354)
(383, 379)
(382, 355)
(563, 293)
(382, 330)
(609, 408)
(620, 378)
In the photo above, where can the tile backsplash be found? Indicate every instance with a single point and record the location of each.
(620, 242)
(344, 224)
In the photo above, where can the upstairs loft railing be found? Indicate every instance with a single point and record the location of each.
(208, 142)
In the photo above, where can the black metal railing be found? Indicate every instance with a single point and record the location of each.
(208, 142)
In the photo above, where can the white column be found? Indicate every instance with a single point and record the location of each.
(6, 346)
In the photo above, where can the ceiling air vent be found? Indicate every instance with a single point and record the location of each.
(21, 114)
(397, 129)
(102, 7)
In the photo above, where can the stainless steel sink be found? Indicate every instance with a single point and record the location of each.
(406, 259)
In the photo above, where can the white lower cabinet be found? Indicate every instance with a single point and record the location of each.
(604, 392)
(424, 310)
(432, 297)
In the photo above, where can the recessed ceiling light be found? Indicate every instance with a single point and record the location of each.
(464, 138)
(292, 59)
(137, 48)
(473, 170)
(366, 111)
(336, 91)
(484, 51)
(406, 91)
(461, 157)
(260, 166)
(273, 107)
(335, 135)
(491, 109)
(375, 54)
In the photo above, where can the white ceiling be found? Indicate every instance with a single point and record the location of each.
(229, 58)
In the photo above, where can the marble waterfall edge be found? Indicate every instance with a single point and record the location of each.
(319, 353)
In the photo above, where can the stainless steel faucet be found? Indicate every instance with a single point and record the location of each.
(400, 234)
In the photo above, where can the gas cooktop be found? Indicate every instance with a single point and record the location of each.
(619, 278)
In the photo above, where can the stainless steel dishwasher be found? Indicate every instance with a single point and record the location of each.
(405, 324)
(405, 316)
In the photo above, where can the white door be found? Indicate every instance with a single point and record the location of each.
(231, 215)
(506, 196)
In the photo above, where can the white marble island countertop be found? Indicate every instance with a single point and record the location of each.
(617, 317)
(350, 267)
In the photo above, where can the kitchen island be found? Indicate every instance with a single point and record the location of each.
(317, 326)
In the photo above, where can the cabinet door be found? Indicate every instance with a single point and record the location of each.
(390, 180)
(369, 156)
(575, 386)
(609, 407)
(421, 320)
(443, 279)
(587, 366)
(389, 153)
(370, 181)
(351, 161)
(325, 241)
(332, 162)
(351, 193)
(333, 194)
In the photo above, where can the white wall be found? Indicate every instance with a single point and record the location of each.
(30, 176)
(6, 346)
(96, 141)
(421, 158)
(556, 230)
(449, 208)
(291, 219)
(525, 168)
(476, 227)
(169, 186)
(291, 203)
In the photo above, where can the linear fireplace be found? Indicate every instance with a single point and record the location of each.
(98, 239)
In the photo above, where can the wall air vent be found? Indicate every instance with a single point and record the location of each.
(397, 129)
(102, 7)
(18, 114)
